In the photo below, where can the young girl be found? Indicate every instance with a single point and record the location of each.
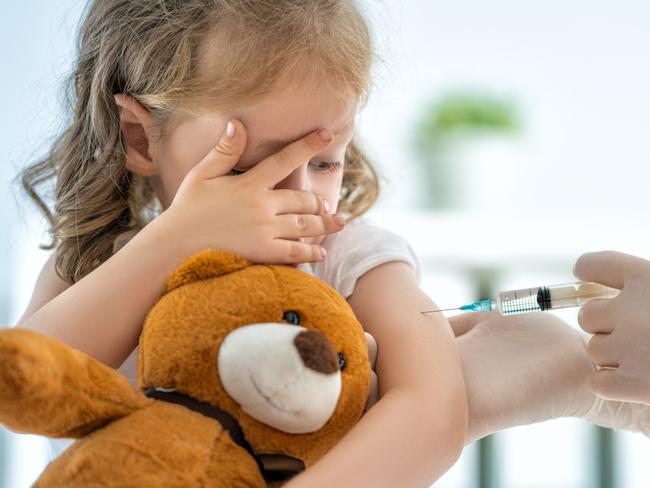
(229, 124)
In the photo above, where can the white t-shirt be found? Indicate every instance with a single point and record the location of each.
(352, 252)
(358, 248)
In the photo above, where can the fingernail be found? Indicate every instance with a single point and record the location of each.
(338, 220)
(326, 205)
(230, 129)
(325, 135)
(323, 252)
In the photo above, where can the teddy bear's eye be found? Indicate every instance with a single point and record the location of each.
(342, 361)
(291, 317)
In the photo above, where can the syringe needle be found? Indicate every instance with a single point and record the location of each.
(441, 310)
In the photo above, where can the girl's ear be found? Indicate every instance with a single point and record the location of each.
(135, 124)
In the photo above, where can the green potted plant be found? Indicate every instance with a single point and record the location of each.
(466, 142)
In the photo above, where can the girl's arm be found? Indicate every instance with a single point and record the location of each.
(101, 315)
(417, 429)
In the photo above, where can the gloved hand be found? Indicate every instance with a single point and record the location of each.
(520, 370)
(524, 369)
(620, 346)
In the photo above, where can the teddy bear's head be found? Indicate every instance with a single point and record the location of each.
(274, 347)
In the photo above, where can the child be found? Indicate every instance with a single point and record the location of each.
(229, 124)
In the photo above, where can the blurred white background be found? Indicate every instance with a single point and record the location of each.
(573, 178)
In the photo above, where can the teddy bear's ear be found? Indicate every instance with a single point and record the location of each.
(203, 265)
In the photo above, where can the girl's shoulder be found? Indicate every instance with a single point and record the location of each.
(359, 247)
(362, 236)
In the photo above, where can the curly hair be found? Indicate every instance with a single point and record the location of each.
(153, 51)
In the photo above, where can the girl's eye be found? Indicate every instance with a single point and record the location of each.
(320, 166)
(326, 166)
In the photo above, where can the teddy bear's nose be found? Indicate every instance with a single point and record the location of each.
(316, 352)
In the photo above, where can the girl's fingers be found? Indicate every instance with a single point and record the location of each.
(373, 394)
(285, 251)
(295, 226)
(601, 351)
(225, 155)
(277, 167)
(298, 202)
(372, 349)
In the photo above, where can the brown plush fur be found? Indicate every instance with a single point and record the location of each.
(129, 440)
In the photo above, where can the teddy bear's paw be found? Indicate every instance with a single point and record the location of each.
(23, 365)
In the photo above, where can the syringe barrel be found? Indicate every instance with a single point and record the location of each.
(539, 299)
(577, 294)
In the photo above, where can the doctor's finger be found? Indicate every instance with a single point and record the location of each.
(612, 385)
(463, 323)
(598, 316)
(602, 351)
(609, 268)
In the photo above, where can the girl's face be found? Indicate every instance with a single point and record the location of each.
(272, 122)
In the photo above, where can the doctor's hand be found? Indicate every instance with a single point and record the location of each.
(620, 346)
(521, 369)
(525, 369)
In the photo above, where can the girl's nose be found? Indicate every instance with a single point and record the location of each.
(298, 179)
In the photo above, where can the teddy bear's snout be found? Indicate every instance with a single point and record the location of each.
(285, 376)
(316, 352)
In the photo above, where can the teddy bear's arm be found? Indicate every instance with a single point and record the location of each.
(47, 388)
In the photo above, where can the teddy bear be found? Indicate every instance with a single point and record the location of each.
(248, 375)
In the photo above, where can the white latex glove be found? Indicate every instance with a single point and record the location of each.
(620, 346)
(529, 368)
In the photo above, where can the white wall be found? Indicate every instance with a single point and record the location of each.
(578, 69)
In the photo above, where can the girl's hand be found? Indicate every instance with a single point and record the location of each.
(243, 213)
(373, 394)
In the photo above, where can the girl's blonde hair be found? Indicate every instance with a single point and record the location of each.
(155, 51)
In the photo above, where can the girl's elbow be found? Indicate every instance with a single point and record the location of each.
(454, 432)
(458, 412)
(457, 436)
(446, 446)
(460, 427)
(450, 428)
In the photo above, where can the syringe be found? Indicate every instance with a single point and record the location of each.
(539, 299)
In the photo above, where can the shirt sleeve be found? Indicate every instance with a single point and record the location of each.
(357, 249)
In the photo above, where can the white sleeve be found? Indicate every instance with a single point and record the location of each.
(357, 249)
